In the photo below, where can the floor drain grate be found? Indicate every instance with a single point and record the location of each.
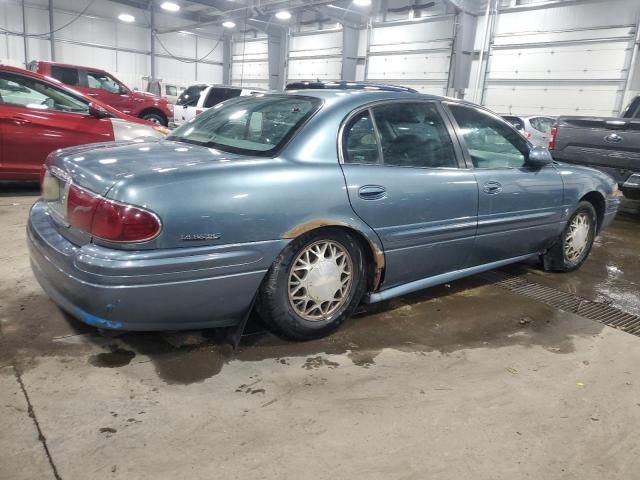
(598, 311)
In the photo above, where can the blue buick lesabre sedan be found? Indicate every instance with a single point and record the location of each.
(302, 205)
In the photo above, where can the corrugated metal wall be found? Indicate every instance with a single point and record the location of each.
(415, 54)
(101, 41)
(250, 67)
(561, 59)
(315, 55)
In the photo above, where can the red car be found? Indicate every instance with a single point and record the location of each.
(39, 115)
(105, 87)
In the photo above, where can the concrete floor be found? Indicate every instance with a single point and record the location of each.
(461, 381)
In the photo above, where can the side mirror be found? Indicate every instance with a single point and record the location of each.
(539, 157)
(97, 112)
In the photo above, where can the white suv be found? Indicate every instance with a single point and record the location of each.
(197, 98)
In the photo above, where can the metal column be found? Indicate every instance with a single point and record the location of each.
(226, 60)
(350, 37)
(24, 35)
(52, 40)
(152, 55)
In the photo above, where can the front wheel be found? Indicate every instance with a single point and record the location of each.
(575, 241)
(155, 118)
(314, 285)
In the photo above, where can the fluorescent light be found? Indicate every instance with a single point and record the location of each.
(228, 24)
(283, 15)
(362, 3)
(170, 6)
(125, 17)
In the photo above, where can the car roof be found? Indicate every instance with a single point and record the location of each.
(68, 65)
(366, 96)
(217, 85)
(345, 85)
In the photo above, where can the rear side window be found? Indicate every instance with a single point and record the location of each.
(491, 143)
(219, 95)
(190, 97)
(360, 141)
(542, 124)
(413, 135)
(171, 90)
(68, 76)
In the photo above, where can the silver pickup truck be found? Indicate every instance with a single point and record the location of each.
(608, 144)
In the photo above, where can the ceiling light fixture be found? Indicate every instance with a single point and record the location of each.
(170, 6)
(283, 15)
(125, 17)
(228, 24)
(362, 3)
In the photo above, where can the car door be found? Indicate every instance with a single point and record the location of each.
(405, 179)
(192, 101)
(107, 89)
(520, 206)
(36, 118)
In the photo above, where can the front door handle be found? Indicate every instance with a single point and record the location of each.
(372, 192)
(492, 188)
(19, 120)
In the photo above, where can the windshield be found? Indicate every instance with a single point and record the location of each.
(249, 125)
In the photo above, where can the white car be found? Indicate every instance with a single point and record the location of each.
(197, 98)
(537, 128)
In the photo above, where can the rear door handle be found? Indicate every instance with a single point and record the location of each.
(18, 120)
(92, 94)
(372, 192)
(492, 188)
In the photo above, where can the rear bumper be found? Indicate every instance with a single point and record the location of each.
(173, 289)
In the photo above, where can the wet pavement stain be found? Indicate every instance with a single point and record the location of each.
(469, 313)
(115, 358)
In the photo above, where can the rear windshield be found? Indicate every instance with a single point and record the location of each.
(515, 121)
(189, 98)
(249, 125)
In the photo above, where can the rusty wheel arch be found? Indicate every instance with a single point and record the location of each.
(375, 253)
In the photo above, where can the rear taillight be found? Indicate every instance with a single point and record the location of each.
(552, 138)
(199, 111)
(109, 220)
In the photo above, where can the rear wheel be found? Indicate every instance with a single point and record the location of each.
(575, 241)
(314, 285)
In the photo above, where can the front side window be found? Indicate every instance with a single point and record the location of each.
(68, 76)
(413, 135)
(35, 94)
(103, 82)
(491, 143)
(249, 125)
(542, 124)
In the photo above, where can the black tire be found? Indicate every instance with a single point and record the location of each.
(555, 259)
(273, 303)
(155, 118)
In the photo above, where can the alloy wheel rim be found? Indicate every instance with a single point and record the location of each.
(578, 237)
(320, 280)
